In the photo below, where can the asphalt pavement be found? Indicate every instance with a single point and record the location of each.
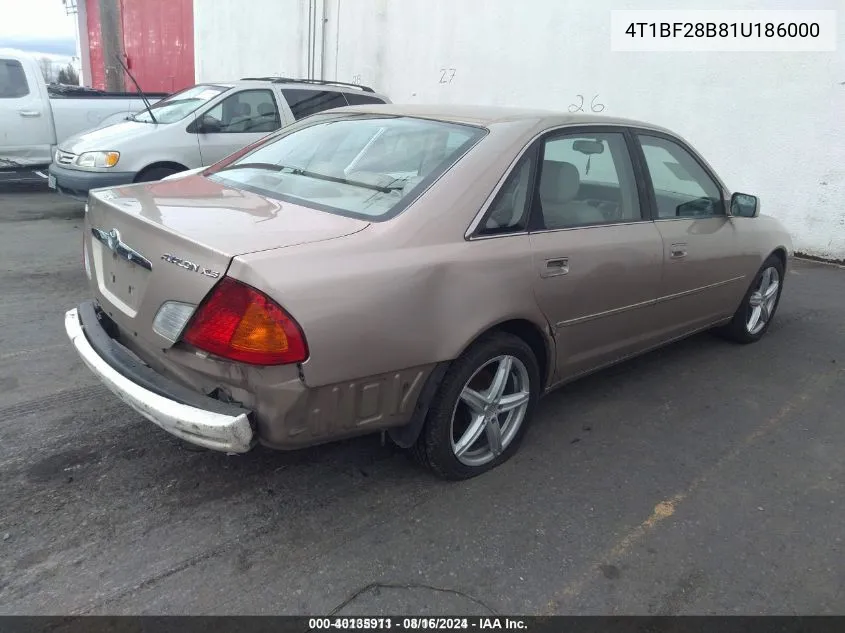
(705, 478)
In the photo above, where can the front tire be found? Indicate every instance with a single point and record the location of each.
(752, 319)
(482, 409)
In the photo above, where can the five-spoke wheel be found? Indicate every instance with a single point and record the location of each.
(762, 300)
(758, 306)
(482, 408)
(490, 410)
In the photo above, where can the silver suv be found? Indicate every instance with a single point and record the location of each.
(192, 129)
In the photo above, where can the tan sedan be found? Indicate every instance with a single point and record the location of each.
(425, 271)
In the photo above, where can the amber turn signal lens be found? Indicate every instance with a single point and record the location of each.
(240, 323)
(260, 331)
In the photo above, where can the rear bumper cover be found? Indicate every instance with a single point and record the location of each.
(77, 183)
(189, 415)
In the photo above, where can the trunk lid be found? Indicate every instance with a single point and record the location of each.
(173, 240)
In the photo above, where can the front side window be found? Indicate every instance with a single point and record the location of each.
(12, 80)
(681, 186)
(248, 111)
(365, 166)
(179, 105)
(304, 102)
(587, 179)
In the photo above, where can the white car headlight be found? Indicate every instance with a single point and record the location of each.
(97, 159)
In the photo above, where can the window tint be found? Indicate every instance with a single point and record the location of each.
(368, 167)
(509, 211)
(587, 179)
(681, 186)
(304, 102)
(12, 80)
(356, 98)
(246, 112)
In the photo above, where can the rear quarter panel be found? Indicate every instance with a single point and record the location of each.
(386, 309)
(410, 291)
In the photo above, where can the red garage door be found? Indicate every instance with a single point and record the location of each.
(158, 40)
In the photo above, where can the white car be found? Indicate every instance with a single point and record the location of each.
(35, 117)
(193, 129)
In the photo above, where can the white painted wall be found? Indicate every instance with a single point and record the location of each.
(770, 123)
(250, 38)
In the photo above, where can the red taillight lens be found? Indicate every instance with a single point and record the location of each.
(243, 324)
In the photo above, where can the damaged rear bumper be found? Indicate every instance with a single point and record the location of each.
(189, 415)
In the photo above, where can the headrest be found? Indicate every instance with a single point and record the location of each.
(559, 181)
(244, 109)
(266, 109)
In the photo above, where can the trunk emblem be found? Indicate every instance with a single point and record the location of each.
(183, 263)
(111, 240)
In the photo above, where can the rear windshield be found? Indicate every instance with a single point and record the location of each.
(179, 105)
(365, 166)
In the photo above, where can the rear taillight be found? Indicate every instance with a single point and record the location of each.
(243, 324)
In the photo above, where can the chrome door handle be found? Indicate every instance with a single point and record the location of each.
(678, 251)
(29, 113)
(555, 267)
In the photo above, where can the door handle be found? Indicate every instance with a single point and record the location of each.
(678, 251)
(555, 267)
(29, 113)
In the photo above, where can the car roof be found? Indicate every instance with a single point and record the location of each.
(488, 116)
(293, 83)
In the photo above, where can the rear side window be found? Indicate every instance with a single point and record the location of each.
(356, 98)
(12, 80)
(304, 102)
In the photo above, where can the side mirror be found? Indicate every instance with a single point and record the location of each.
(693, 208)
(207, 125)
(744, 205)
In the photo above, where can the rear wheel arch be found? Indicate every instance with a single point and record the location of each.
(540, 343)
(162, 166)
(536, 338)
(481, 419)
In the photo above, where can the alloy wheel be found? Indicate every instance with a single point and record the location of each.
(762, 302)
(490, 410)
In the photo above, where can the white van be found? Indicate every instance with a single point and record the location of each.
(192, 129)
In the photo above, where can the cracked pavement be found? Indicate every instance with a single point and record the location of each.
(700, 479)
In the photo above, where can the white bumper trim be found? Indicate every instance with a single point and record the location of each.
(231, 434)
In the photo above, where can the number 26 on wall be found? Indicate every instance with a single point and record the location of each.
(595, 106)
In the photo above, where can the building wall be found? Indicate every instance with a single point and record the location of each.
(271, 38)
(770, 123)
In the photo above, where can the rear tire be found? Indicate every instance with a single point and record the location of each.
(156, 173)
(752, 319)
(489, 394)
